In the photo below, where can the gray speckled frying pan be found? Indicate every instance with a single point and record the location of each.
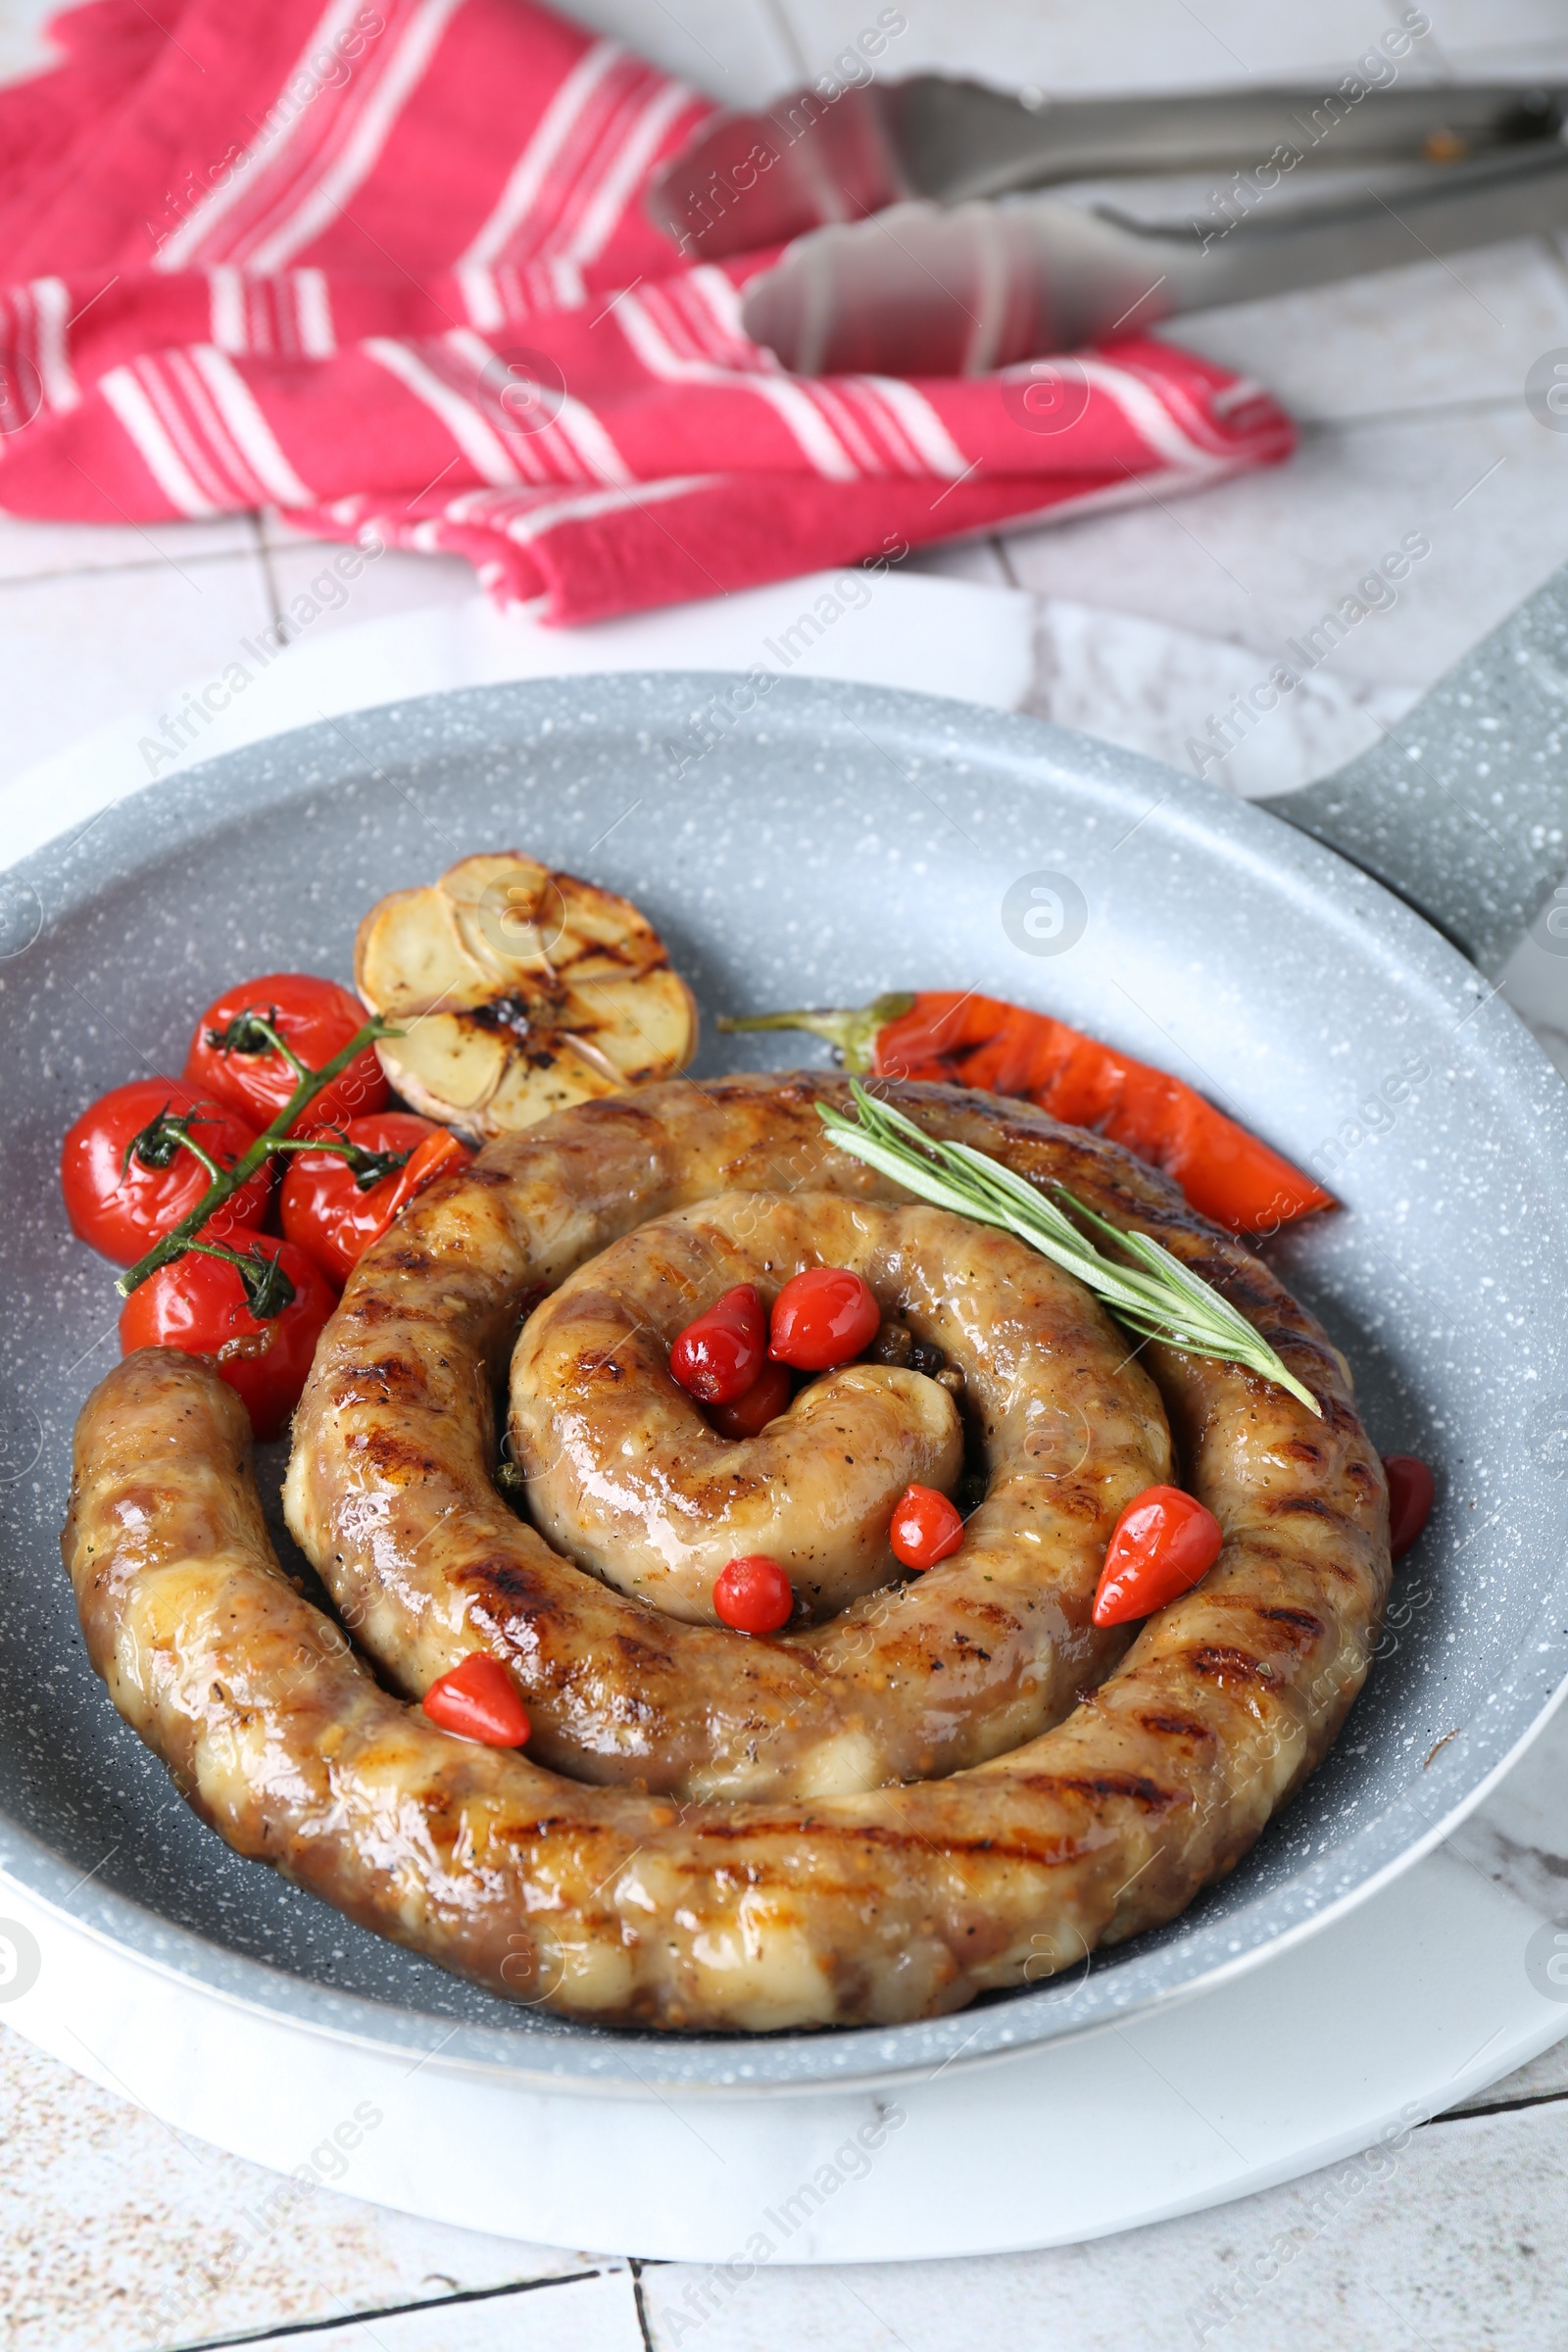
(827, 843)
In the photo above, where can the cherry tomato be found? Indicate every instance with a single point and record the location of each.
(718, 1357)
(322, 1203)
(823, 1317)
(478, 1700)
(766, 1398)
(1411, 1487)
(754, 1595)
(1161, 1545)
(120, 1199)
(926, 1528)
(199, 1304)
(315, 1019)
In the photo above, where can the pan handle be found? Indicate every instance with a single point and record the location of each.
(1462, 809)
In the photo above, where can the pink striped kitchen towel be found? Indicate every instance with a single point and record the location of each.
(386, 266)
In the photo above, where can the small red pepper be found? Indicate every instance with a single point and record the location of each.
(926, 1528)
(753, 1595)
(1161, 1545)
(768, 1397)
(978, 1041)
(823, 1317)
(718, 1357)
(439, 1154)
(478, 1700)
(1411, 1487)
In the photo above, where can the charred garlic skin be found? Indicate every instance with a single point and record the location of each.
(520, 991)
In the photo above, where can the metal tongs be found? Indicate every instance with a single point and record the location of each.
(918, 251)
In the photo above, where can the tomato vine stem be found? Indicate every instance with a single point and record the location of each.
(272, 1138)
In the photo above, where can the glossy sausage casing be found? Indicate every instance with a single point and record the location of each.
(614, 1903)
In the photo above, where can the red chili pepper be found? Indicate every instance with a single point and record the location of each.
(768, 1397)
(754, 1596)
(440, 1154)
(718, 1357)
(1411, 1487)
(978, 1041)
(926, 1528)
(478, 1700)
(1161, 1545)
(823, 1317)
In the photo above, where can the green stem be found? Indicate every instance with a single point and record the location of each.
(154, 1146)
(246, 1025)
(267, 1289)
(232, 1180)
(367, 1167)
(853, 1033)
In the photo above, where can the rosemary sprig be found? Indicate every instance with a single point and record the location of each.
(1157, 1297)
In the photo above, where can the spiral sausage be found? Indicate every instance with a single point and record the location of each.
(624, 1474)
(875, 1904)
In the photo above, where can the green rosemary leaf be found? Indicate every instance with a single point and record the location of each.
(1156, 1295)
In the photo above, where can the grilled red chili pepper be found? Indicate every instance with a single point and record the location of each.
(977, 1041)
(1411, 1487)
(768, 1397)
(926, 1528)
(478, 1700)
(1161, 1545)
(718, 1357)
(823, 1317)
(753, 1595)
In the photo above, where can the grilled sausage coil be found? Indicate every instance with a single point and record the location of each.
(953, 1786)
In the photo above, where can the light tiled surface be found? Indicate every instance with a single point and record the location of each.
(1260, 559)
(77, 647)
(1448, 2247)
(116, 2234)
(1467, 329)
(1059, 45)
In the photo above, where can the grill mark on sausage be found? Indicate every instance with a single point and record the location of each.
(1052, 1850)
(1345, 1582)
(1169, 1725)
(1304, 1621)
(508, 1582)
(1221, 1662)
(1302, 1506)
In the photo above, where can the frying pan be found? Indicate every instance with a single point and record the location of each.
(815, 843)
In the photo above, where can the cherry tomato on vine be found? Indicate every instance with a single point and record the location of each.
(768, 1397)
(926, 1528)
(335, 1207)
(1411, 1487)
(261, 1325)
(478, 1700)
(1161, 1545)
(315, 1019)
(753, 1595)
(823, 1317)
(718, 1357)
(128, 1175)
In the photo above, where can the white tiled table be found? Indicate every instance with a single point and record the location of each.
(1408, 390)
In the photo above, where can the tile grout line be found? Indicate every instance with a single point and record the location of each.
(784, 25)
(639, 2303)
(108, 571)
(999, 548)
(1481, 404)
(263, 553)
(389, 2311)
(1479, 2114)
